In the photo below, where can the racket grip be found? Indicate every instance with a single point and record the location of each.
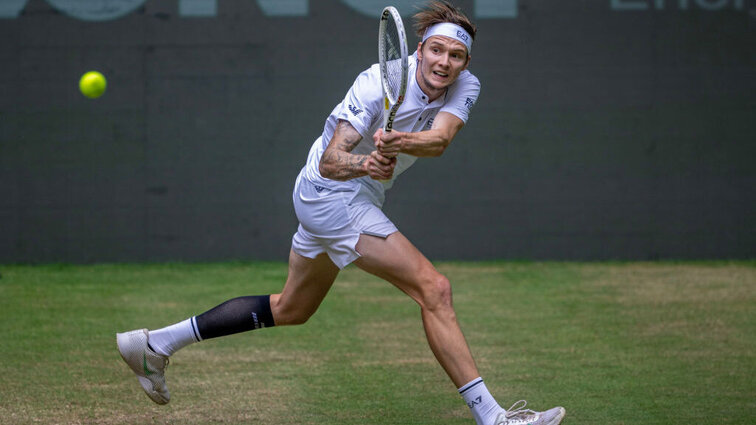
(386, 110)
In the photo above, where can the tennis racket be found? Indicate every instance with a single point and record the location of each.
(392, 57)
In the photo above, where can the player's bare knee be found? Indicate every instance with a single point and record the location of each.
(436, 293)
(285, 314)
(291, 317)
(299, 319)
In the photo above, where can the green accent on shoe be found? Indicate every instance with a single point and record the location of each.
(147, 372)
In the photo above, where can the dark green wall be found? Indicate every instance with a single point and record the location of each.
(604, 130)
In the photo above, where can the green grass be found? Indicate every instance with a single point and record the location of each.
(614, 343)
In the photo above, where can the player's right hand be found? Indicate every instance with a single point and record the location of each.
(388, 144)
(379, 167)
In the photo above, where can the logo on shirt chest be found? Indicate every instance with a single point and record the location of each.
(429, 123)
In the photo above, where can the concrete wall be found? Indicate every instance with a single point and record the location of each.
(606, 129)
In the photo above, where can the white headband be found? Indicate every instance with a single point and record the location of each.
(447, 29)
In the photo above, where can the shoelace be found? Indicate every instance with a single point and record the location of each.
(166, 360)
(517, 412)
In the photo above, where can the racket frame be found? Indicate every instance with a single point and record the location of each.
(392, 105)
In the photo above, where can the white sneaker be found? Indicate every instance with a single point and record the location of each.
(147, 364)
(518, 415)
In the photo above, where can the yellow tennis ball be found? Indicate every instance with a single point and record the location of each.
(92, 84)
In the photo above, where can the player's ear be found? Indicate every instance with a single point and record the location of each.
(468, 62)
(419, 50)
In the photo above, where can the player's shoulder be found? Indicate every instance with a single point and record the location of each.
(369, 79)
(367, 86)
(468, 78)
(466, 87)
(371, 74)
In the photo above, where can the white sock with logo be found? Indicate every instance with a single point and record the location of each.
(483, 406)
(170, 339)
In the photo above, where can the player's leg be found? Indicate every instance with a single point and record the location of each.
(396, 260)
(147, 352)
(307, 285)
(401, 263)
(308, 282)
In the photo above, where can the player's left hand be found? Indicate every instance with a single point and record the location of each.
(388, 144)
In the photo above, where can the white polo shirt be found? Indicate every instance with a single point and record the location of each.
(363, 108)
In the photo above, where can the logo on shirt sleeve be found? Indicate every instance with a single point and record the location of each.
(355, 110)
(469, 103)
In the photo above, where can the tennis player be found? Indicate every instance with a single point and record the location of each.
(338, 197)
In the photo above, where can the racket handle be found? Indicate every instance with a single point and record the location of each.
(386, 109)
(386, 129)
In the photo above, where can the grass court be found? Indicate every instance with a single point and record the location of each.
(614, 343)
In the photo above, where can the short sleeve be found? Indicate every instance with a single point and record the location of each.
(362, 104)
(462, 96)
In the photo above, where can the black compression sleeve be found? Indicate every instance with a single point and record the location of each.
(236, 315)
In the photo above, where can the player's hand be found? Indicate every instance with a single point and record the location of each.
(388, 144)
(379, 167)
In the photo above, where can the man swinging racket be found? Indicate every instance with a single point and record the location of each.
(338, 197)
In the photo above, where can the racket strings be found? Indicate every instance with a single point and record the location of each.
(393, 58)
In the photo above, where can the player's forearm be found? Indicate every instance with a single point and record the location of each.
(337, 162)
(429, 143)
(339, 165)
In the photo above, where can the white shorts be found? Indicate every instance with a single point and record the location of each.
(332, 221)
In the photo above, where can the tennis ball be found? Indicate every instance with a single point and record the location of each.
(92, 84)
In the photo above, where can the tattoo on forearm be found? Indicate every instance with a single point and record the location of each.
(338, 160)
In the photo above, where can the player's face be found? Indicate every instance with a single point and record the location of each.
(441, 59)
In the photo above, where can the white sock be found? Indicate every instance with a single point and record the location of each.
(483, 406)
(170, 339)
